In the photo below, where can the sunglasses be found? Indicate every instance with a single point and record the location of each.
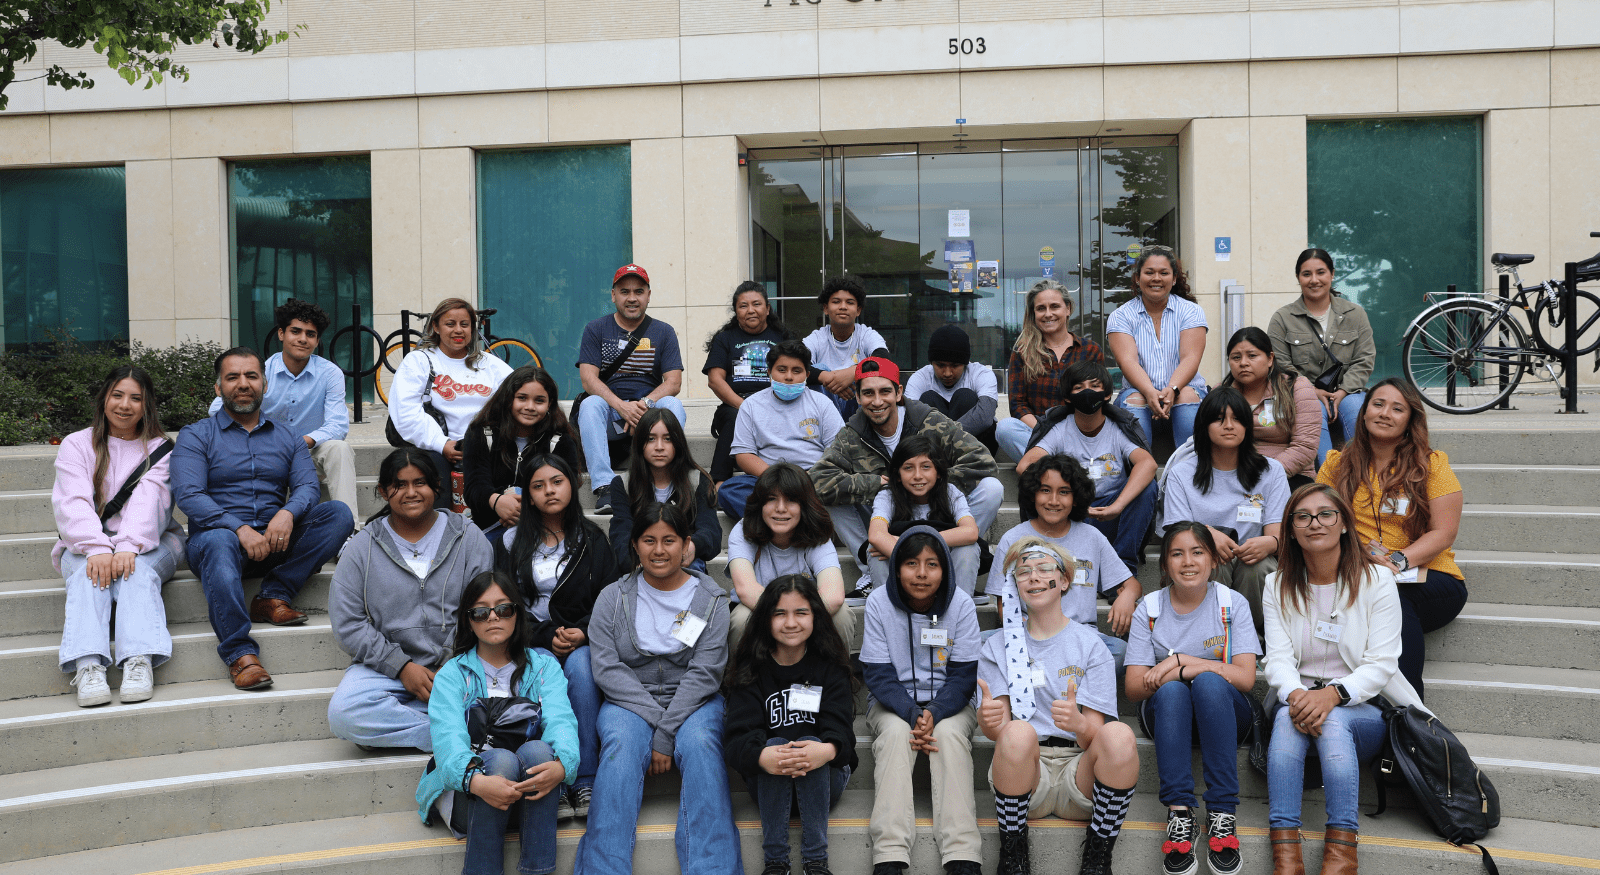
(503, 611)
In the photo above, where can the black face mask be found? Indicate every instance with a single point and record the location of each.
(1087, 401)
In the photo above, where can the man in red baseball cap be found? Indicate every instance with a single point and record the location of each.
(629, 363)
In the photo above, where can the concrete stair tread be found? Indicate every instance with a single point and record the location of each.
(398, 842)
(1542, 613)
(1550, 754)
(220, 693)
(1465, 557)
(1477, 674)
(1531, 509)
(52, 640)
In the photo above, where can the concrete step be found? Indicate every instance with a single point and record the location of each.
(1566, 485)
(1520, 577)
(29, 667)
(1533, 528)
(1505, 443)
(258, 822)
(1520, 635)
(39, 606)
(1515, 701)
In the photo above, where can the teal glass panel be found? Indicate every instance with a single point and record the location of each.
(301, 229)
(553, 225)
(1398, 203)
(64, 255)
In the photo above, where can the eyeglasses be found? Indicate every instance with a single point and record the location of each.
(504, 611)
(1325, 518)
(1036, 568)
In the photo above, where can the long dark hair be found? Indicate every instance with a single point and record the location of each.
(1280, 383)
(521, 630)
(100, 428)
(641, 481)
(1180, 280)
(389, 470)
(788, 480)
(1212, 409)
(1318, 255)
(755, 648)
(1407, 474)
(1071, 471)
(938, 498)
(496, 418)
(1201, 532)
(530, 525)
(773, 322)
(1294, 579)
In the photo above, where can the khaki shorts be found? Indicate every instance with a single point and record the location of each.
(1057, 792)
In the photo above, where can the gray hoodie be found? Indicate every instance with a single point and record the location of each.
(384, 616)
(664, 689)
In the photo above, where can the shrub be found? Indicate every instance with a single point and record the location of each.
(22, 419)
(184, 378)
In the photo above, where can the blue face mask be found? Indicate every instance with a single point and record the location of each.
(787, 391)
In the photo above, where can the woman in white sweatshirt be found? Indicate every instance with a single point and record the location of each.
(441, 386)
(1333, 643)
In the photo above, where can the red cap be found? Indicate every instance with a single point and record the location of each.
(877, 366)
(630, 270)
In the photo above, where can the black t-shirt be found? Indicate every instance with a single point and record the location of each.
(744, 357)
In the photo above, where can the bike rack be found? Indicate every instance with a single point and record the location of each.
(356, 372)
(1569, 350)
(1505, 370)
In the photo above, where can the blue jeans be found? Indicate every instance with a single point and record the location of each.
(706, 839)
(1012, 435)
(1216, 711)
(1127, 532)
(1182, 418)
(221, 564)
(373, 709)
(1118, 648)
(1351, 736)
(594, 426)
(585, 698)
(734, 493)
(486, 824)
(141, 615)
(778, 796)
(1349, 410)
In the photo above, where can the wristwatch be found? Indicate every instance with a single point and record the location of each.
(1400, 561)
(650, 403)
(1344, 694)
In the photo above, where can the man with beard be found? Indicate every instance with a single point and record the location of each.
(230, 474)
(856, 464)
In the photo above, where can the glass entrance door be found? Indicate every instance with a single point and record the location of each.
(1006, 212)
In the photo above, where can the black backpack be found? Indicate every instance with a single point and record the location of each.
(1460, 803)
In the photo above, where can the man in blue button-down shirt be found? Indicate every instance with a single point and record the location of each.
(305, 394)
(230, 475)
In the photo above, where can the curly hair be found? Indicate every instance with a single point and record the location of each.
(1071, 471)
(1180, 280)
(1407, 475)
(305, 311)
(843, 283)
(773, 322)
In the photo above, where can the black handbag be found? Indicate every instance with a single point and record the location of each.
(1328, 380)
(507, 722)
(393, 434)
(1452, 792)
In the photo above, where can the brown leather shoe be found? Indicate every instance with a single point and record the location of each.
(248, 674)
(275, 611)
(1339, 852)
(1287, 858)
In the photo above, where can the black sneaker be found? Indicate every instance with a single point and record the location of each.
(1096, 854)
(889, 868)
(775, 867)
(1222, 844)
(1014, 854)
(1179, 846)
(858, 596)
(815, 867)
(580, 797)
(963, 867)
(602, 501)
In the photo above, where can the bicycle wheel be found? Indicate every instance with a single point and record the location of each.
(1463, 356)
(515, 353)
(1551, 336)
(393, 352)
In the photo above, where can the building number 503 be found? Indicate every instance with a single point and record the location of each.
(967, 46)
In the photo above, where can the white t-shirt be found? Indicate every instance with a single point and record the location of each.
(419, 556)
(1108, 456)
(774, 561)
(978, 377)
(797, 431)
(828, 354)
(658, 615)
(1076, 654)
(883, 506)
(548, 562)
(893, 441)
(1197, 633)
(1098, 567)
(1227, 504)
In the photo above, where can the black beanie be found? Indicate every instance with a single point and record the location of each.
(949, 344)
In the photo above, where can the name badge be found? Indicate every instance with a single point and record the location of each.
(1248, 513)
(804, 697)
(1080, 577)
(1096, 470)
(688, 628)
(742, 369)
(934, 637)
(1038, 677)
(1329, 632)
(1398, 506)
(1407, 576)
(545, 569)
(1266, 418)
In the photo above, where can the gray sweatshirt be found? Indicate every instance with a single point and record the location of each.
(384, 616)
(664, 690)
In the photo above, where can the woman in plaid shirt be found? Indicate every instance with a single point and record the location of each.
(1041, 356)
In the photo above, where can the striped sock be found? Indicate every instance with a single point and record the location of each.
(1110, 809)
(1011, 812)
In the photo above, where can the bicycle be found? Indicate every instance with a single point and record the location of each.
(1465, 354)
(513, 352)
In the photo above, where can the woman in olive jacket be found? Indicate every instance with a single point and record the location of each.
(1309, 333)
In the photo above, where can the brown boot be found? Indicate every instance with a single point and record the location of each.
(1339, 852)
(274, 611)
(249, 674)
(1287, 858)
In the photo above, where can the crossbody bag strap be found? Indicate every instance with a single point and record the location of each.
(114, 506)
(1316, 329)
(609, 371)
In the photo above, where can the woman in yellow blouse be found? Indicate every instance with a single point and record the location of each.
(1412, 524)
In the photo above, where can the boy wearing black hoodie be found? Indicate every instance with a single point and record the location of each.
(919, 652)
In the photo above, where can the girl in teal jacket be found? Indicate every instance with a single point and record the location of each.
(493, 660)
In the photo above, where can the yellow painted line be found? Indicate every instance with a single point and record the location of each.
(1046, 823)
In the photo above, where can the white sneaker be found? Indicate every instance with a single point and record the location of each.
(138, 680)
(92, 688)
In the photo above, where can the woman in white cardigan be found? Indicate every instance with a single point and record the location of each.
(1333, 642)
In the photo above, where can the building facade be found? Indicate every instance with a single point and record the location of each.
(395, 153)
